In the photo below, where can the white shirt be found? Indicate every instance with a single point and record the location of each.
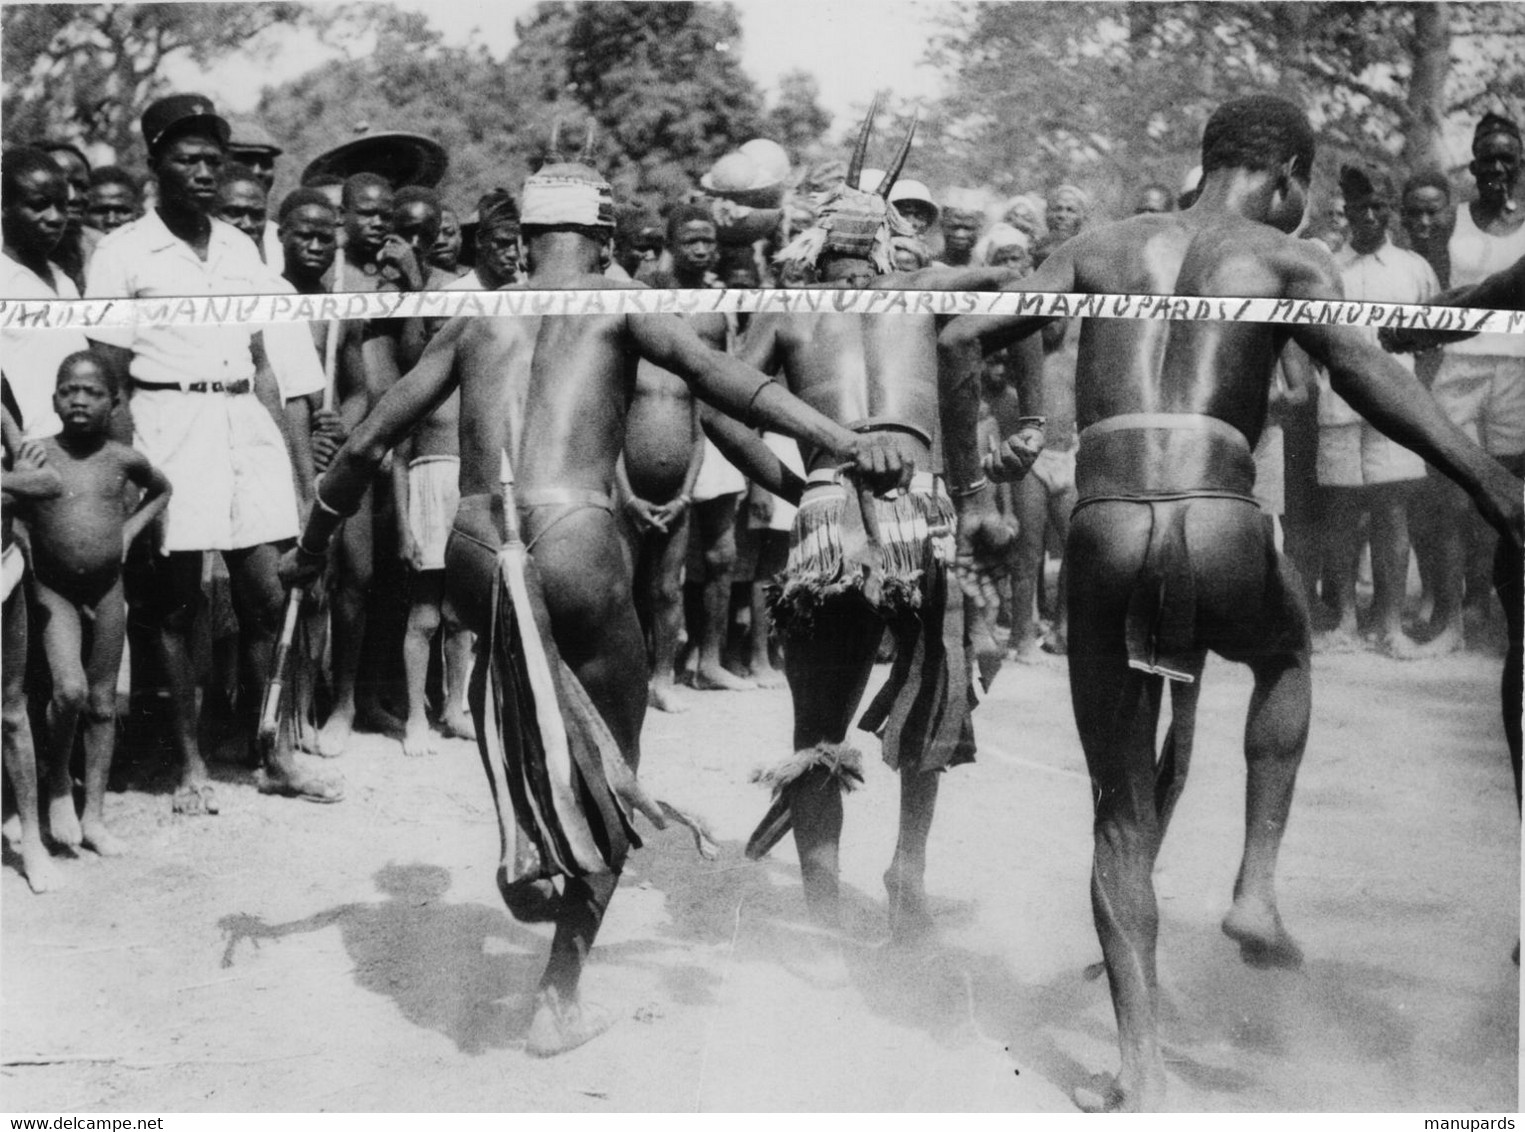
(1475, 255)
(1388, 275)
(145, 260)
(30, 358)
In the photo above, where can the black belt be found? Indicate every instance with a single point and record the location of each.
(244, 385)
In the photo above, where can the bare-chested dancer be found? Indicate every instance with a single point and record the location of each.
(79, 540)
(27, 479)
(573, 431)
(877, 375)
(1169, 555)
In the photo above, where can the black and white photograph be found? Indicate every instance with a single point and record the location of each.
(524, 667)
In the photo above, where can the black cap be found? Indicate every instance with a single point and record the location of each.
(177, 111)
(1490, 124)
(1359, 183)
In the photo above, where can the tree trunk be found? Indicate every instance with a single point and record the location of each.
(1423, 146)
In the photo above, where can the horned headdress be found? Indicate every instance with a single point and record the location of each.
(567, 191)
(853, 221)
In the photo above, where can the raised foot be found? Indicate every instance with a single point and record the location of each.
(102, 840)
(195, 799)
(63, 823)
(665, 697)
(717, 678)
(418, 740)
(458, 725)
(1109, 1095)
(529, 901)
(1256, 926)
(561, 1025)
(41, 874)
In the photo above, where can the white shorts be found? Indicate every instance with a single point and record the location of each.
(1357, 455)
(226, 460)
(717, 476)
(1484, 395)
(434, 494)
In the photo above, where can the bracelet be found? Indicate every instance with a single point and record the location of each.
(302, 548)
(324, 507)
(686, 500)
(975, 488)
(752, 400)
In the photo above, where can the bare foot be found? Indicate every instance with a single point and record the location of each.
(560, 1025)
(1256, 926)
(718, 678)
(1109, 1095)
(1336, 641)
(1026, 651)
(101, 839)
(418, 740)
(294, 783)
(1056, 643)
(306, 735)
(458, 724)
(765, 675)
(63, 823)
(41, 874)
(335, 733)
(1449, 640)
(1400, 646)
(910, 921)
(665, 697)
(195, 799)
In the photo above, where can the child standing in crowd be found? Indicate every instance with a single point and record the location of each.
(79, 539)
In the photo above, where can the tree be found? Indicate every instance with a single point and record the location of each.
(1115, 95)
(85, 72)
(797, 120)
(664, 83)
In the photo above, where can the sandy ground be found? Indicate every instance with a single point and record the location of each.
(286, 956)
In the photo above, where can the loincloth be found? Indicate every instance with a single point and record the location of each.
(434, 494)
(915, 531)
(540, 509)
(1166, 461)
(12, 569)
(565, 795)
(922, 714)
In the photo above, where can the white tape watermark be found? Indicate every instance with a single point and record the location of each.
(253, 310)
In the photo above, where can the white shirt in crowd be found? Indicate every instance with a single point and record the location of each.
(222, 451)
(30, 358)
(1388, 275)
(1475, 255)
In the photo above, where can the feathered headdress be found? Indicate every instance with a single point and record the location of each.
(851, 221)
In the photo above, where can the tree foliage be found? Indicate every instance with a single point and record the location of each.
(1115, 94)
(85, 72)
(660, 82)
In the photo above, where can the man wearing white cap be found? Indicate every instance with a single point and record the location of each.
(573, 430)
